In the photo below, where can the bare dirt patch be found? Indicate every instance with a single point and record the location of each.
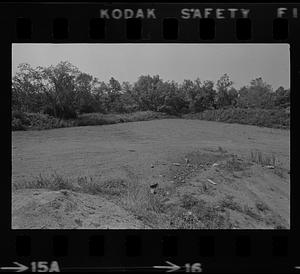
(179, 155)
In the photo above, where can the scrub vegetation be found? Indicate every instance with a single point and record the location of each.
(63, 96)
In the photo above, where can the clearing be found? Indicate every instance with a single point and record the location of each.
(248, 165)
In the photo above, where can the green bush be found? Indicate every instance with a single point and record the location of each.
(91, 119)
(275, 118)
(37, 121)
(16, 124)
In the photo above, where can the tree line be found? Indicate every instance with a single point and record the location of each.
(63, 91)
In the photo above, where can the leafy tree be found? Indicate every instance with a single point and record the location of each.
(174, 101)
(61, 89)
(225, 94)
(127, 102)
(84, 86)
(27, 89)
(258, 95)
(282, 97)
(100, 96)
(205, 97)
(146, 92)
(189, 89)
(113, 93)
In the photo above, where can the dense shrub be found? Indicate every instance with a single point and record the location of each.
(277, 118)
(26, 121)
(90, 119)
(16, 124)
(61, 112)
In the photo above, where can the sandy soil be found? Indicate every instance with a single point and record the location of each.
(40, 208)
(148, 150)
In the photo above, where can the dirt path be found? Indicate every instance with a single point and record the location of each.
(145, 149)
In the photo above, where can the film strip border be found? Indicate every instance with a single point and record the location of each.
(242, 251)
(171, 29)
(153, 23)
(249, 251)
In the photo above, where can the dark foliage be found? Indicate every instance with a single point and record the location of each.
(64, 92)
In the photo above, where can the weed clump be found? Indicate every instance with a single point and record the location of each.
(234, 164)
(263, 159)
(52, 182)
(198, 214)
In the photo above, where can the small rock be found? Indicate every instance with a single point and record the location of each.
(64, 192)
(154, 185)
(215, 164)
(270, 167)
(152, 166)
(176, 164)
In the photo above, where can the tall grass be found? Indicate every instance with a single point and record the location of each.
(133, 195)
(80, 184)
(263, 159)
(52, 182)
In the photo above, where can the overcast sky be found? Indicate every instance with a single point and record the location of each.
(125, 62)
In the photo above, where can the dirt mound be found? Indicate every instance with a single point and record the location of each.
(64, 209)
(228, 193)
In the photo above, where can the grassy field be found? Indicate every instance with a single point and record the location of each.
(208, 175)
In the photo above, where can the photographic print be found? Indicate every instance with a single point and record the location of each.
(150, 136)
